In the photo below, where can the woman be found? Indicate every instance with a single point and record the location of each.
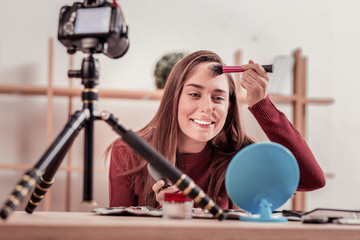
(198, 129)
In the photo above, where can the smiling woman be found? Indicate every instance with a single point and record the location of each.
(198, 129)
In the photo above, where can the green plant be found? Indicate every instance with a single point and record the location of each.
(164, 65)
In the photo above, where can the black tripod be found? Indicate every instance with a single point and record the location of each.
(42, 174)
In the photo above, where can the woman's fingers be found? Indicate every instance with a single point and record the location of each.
(160, 193)
(256, 67)
(255, 80)
(157, 186)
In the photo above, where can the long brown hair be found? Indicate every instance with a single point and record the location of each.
(163, 130)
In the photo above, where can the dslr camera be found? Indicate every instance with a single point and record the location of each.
(94, 26)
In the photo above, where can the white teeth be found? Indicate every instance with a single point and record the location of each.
(202, 122)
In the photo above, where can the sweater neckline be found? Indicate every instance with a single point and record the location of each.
(192, 158)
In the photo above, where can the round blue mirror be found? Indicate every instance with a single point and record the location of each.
(262, 177)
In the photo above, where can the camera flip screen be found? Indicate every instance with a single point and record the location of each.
(92, 20)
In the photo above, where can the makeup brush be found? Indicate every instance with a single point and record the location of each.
(219, 69)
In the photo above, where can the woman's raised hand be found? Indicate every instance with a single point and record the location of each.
(256, 82)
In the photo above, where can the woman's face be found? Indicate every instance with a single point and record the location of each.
(203, 107)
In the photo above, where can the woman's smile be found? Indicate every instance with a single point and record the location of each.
(203, 123)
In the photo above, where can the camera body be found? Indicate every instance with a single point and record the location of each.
(94, 26)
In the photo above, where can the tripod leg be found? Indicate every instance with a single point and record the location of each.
(182, 181)
(47, 178)
(88, 163)
(22, 188)
(49, 162)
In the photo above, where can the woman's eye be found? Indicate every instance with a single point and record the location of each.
(218, 98)
(194, 94)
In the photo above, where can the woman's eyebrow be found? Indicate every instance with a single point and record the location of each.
(202, 87)
(194, 85)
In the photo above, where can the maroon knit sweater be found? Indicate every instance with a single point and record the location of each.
(125, 192)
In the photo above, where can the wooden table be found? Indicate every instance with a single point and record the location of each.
(87, 226)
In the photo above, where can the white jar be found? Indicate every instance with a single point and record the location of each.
(177, 206)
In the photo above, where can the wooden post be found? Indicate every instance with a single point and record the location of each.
(49, 115)
(68, 159)
(299, 113)
(237, 63)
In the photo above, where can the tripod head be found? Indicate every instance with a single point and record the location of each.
(89, 72)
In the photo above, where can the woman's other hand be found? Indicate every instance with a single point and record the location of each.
(256, 82)
(160, 192)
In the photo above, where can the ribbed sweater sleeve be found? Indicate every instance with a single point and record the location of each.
(125, 189)
(279, 129)
(121, 189)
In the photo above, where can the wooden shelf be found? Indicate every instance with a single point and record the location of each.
(23, 167)
(134, 94)
(76, 92)
(282, 99)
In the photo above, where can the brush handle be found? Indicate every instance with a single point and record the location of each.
(234, 69)
(268, 68)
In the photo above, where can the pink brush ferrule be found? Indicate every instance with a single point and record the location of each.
(232, 69)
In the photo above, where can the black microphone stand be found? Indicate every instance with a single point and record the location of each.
(42, 174)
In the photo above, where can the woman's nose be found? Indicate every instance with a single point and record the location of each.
(206, 105)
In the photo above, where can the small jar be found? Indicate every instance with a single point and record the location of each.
(177, 206)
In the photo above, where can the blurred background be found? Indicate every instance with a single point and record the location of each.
(326, 31)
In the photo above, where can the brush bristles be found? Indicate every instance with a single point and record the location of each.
(216, 69)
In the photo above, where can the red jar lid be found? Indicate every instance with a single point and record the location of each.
(176, 197)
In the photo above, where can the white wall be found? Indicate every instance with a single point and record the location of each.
(327, 31)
